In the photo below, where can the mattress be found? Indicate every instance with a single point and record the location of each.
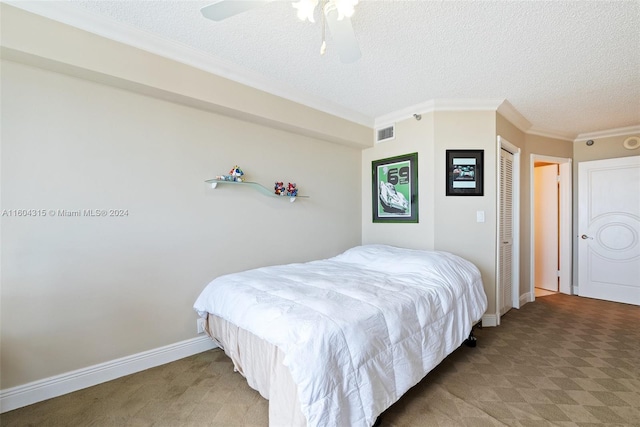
(355, 331)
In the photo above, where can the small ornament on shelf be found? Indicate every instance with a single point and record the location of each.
(279, 188)
(292, 190)
(235, 174)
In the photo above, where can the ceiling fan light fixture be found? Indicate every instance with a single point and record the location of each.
(335, 15)
(345, 8)
(306, 9)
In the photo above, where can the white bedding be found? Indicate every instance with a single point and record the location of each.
(357, 330)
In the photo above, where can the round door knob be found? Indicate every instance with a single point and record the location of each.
(585, 237)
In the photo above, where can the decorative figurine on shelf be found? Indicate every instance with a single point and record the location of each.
(292, 190)
(279, 188)
(235, 174)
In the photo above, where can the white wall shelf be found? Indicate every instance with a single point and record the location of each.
(258, 187)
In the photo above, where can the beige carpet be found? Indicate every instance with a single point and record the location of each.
(560, 361)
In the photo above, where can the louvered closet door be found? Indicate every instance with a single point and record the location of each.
(506, 232)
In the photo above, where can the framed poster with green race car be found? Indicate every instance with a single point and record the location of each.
(394, 189)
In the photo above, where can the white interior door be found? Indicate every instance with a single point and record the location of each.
(609, 229)
(546, 227)
(506, 232)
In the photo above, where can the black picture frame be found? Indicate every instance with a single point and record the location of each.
(465, 172)
(394, 189)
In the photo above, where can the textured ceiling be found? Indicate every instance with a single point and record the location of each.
(569, 67)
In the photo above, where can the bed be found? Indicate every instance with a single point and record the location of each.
(335, 342)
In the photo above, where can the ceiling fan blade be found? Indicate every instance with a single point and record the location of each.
(224, 9)
(343, 36)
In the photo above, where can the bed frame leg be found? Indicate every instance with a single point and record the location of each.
(378, 422)
(471, 341)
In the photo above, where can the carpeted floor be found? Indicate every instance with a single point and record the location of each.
(560, 361)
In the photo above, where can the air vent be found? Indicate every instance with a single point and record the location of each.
(386, 134)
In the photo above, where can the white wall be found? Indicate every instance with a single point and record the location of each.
(457, 230)
(410, 136)
(77, 291)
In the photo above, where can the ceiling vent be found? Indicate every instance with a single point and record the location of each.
(386, 134)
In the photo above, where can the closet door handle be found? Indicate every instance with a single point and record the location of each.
(585, 237)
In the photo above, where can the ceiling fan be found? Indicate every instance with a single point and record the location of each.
(335, 14)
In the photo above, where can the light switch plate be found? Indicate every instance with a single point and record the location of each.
(479, 216)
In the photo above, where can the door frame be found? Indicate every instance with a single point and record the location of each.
(515, 259)
(565, 222)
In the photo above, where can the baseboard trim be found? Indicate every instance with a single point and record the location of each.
(525, 298)
(489, 320)
(37, 391)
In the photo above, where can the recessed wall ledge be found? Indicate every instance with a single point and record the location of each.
(65, 49)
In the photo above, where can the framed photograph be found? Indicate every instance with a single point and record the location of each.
(465, 172)
(394, 189)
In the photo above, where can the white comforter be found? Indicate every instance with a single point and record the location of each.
(359, 329)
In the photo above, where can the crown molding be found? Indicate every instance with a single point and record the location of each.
(438, 105)
(509, 112)
(131, 36)
(623, 131)
(502, 106)
(533, 130)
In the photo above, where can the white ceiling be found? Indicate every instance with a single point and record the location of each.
(569, 67)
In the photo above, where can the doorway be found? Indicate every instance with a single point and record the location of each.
(551, 225)
(547, 231)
